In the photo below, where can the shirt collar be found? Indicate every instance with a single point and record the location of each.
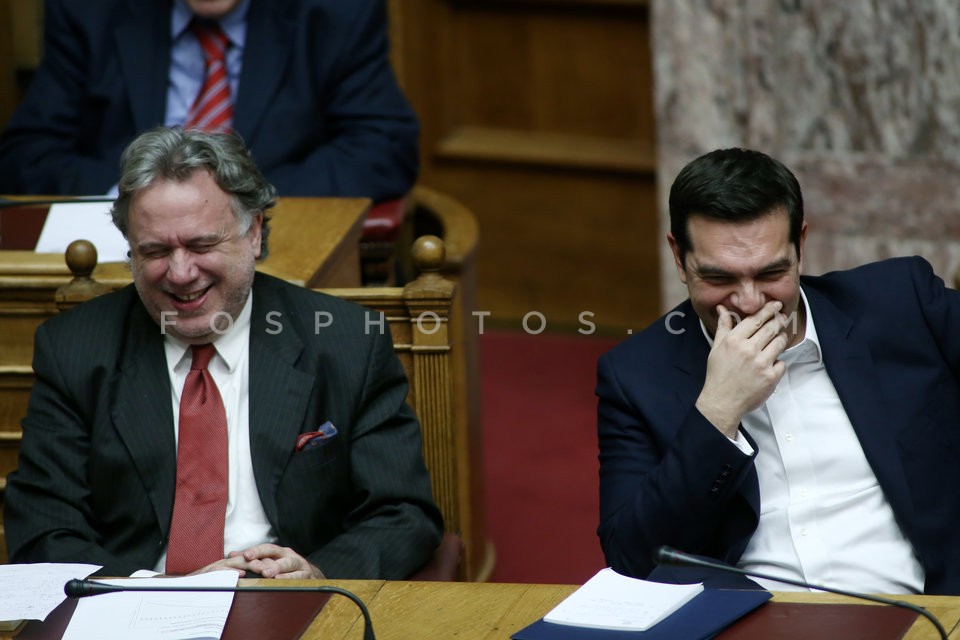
(229, 346)
(234, 24)
(807, 350)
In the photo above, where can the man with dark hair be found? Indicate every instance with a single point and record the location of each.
(797, 426)
(198, 419)
(306, 83)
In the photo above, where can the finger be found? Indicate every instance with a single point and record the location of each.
(775, 346)
(750, 325)
(724, 322)
(265, 550)
(284, 566)
(768, 335)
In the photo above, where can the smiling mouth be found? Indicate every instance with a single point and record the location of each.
(189, 297)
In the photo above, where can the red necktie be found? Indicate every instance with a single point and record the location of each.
(212, 110)
(200, 504)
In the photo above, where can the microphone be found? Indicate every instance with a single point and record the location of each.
(669, 555)
(83, 588)
(7, 203)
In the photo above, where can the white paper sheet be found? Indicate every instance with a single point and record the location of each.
(69, 221)
(609, 600)
(32, 591)
(132, 615)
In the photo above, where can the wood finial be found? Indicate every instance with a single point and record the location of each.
(81, 259)
(429, 253)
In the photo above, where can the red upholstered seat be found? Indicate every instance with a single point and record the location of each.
(384, 221)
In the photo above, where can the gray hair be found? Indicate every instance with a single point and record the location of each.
(173, 153)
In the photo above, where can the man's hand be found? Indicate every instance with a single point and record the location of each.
(742, 369)
(273, 561)
(267, 561)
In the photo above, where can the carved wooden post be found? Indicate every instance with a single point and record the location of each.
(81, 258)
(428, 300)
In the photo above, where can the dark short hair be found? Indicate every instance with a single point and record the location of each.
(173, 153)
(734, 185)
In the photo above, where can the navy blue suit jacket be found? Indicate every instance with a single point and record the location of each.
(890, 337)
(317, 104)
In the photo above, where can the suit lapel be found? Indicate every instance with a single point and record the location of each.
(144, 52)
(142, 412)
(850, 366)
(270, 29)
(279, 392)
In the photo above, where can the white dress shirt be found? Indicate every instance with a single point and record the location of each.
(823, 516)
(246, 522)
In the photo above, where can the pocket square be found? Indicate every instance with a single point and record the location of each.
(316, 438)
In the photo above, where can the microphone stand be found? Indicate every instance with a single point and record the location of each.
(83, 588)
(668, 555)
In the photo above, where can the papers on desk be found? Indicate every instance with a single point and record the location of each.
(69, 221)
(609, 600)
(133, 615)
(32, 591)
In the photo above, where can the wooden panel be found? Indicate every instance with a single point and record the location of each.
(538, 116)
(546, 149)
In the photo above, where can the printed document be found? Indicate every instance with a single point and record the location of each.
(145, 615)
(32, 591)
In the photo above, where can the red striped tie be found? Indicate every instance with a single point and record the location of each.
(212, 110)
(200, 502)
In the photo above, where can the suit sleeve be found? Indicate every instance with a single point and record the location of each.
(371, 144)
(47, 513)
(393, 525)
(673, 484)
(40, 150)
(941, 309)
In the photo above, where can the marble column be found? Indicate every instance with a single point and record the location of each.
(860, 98)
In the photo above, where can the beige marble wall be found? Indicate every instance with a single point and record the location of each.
(861, 98)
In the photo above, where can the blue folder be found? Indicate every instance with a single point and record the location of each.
(706, 615)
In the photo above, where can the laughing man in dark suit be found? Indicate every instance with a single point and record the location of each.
(326, 476)
(804, 427)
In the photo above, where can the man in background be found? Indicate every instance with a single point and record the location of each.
(199, 418)
(804, 427)
(306, 83)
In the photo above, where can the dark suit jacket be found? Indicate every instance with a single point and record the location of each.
(97, 469)
(318, 104)
(890, 337)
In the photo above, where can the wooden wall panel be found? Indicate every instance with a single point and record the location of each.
(538, 116)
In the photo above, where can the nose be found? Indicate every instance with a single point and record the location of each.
(748, 298)
(181, 268)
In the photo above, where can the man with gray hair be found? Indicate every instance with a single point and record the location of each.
(197, 420)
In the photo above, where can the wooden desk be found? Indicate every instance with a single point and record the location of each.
(490, 611)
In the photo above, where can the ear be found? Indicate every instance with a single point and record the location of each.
(675, 248)
(254, 234)
(803, 238)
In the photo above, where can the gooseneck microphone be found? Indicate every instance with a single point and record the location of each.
(8, 203)
(83, 588)
(669, 555)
